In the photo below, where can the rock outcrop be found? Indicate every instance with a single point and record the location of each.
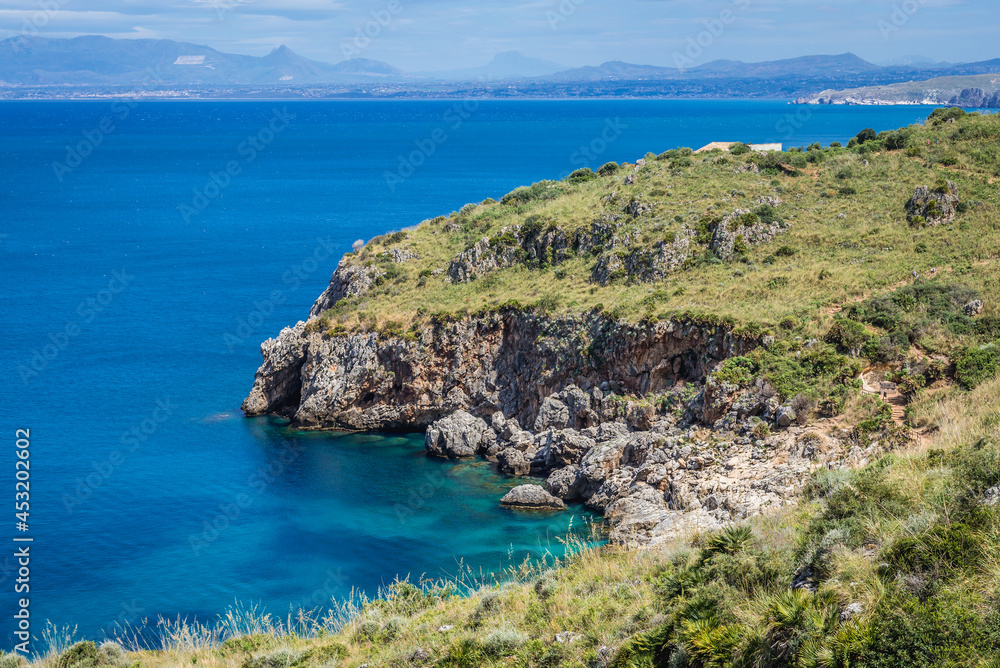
(349, 280)
(933, 206)
(509, 362)
(974, 308)
(742, 229)
(674, 475)
(458, 435)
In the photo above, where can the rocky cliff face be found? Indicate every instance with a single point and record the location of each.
(508, 362)
(624, 417)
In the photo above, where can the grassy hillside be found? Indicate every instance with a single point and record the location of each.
(893, 565)
(847, 233)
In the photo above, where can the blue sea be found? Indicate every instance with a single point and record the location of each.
(146, 250)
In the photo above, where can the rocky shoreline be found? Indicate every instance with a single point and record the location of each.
(626, 418)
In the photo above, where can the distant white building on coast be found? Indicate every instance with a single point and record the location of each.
(726, 145)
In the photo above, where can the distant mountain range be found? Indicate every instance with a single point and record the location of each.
(134, 62)
(96, 62)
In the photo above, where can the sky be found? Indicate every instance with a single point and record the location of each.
(428, 35)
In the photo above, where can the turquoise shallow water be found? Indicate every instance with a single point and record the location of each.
(131, 334)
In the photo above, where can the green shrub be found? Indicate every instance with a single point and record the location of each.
(582, 175)
(464, 653)
(548, 303)
(543, 190)
(739, 148)
(940, 549)
(974, 366)
(785, 251)
(788, 323)
(608, 168)
(279, 658)
(908, 633)
(943, 114)
(80, 655)
(849, 336)
(777, 283)
(503, 642)
(737, 371)
(110, 653)
(865, 135)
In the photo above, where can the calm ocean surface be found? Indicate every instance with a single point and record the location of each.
(133, 309)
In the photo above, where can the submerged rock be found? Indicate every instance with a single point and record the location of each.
(531, 496)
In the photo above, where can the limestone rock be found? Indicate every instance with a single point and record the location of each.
(610, 431)
(742, 228)
(480, 259)
(851, 611)
(784, 417)
(616, 485)
(567, 447)
(498, 421)
(458, 435)
(553, 414)
(278, 381)
(564, 482)
(349, 280)
(718, 398)
(934, 206)
(597, 464)
(974, 308)
(638, 208)
(514, 462)
(531, 496)
(991, 497)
